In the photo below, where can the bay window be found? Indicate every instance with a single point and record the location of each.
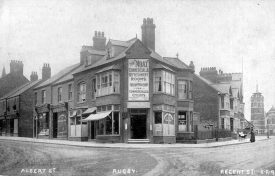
(164, 82)
(81, 92)
(107, 83)
(182, 89)
(164, 120)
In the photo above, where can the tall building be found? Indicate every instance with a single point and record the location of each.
(257, 112)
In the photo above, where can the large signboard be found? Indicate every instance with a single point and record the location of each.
(138, 79)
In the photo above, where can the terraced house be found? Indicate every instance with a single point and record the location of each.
(127, 92)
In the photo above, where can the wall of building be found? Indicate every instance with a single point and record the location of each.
(206, 101)
(48, 95)
(25, 125)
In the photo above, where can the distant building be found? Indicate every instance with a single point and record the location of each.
(219, 98)
(14, 79)
(16, 113)
(270, 116)
(257, 112)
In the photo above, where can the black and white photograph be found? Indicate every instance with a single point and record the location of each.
(137, 87)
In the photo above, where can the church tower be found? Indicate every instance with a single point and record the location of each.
(257, 112)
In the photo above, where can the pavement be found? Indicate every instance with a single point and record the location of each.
(126, 145)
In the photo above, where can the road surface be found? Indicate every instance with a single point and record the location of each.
(26, 158)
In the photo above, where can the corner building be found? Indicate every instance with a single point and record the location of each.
(131, 93)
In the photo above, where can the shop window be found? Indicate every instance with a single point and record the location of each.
(182, 89)
(59, 94)
(158, 117)
(107, 83)
(182, 121)
(110, 124)
(43, 96)
(81, 92)
(222, 101)
(78, 120)
(164, 82)
(70, 92)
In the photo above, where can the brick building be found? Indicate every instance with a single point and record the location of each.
(53, 99)
(16, 113)
(257, 112)
(126, 92)
(270, 117)
(14, 79)
(219, 98)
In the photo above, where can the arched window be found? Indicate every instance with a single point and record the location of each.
(81, 92)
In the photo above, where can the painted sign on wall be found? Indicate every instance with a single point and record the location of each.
(138, 79)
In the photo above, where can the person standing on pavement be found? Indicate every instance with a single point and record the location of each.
(252, 136)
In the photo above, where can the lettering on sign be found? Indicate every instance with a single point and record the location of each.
(138, 79)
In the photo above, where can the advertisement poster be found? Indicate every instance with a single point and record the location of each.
(138, 76)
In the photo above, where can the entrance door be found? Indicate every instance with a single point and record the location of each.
(54, 125)
(138, 126)
(92, 130)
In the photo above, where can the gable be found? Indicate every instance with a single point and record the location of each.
(138, 50)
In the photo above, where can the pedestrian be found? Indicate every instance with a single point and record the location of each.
(252, 136)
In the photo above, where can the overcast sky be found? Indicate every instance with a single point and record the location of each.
(211, 33)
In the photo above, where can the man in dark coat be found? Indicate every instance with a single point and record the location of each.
(252, 136)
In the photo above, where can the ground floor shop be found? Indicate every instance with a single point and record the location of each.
(9, 126)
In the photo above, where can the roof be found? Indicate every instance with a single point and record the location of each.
(21, 89)
(10, 82)
(223, 88)
(69, 76)
(206, 82)
(163, 66)
(272, 110)
(57, 76)
(176, 62)
(112, 67)
(97, 52)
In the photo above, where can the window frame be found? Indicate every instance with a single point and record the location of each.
(107, 82)
(81, 94)
(44, 96)
(70, 92)
(59, 94)
(165, 82)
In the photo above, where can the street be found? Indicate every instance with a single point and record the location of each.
(26, 158)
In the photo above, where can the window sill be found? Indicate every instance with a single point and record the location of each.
(106, 95)
(103, 135)
(163, 93)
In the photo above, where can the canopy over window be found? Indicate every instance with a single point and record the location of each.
(99, 116)
(89, 111)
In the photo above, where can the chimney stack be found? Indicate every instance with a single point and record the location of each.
(34, 76)
(99, 41)
(16, 67)
(46, 71)
(148, 33)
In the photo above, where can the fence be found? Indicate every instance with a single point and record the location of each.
(211, 134)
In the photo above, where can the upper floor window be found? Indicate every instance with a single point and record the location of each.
(182, 89)
(89, 60)
(190, 90)
(222, 101)
(35, 98)
(70, 92)
(81, 92)
(43, 96)
(59, 94)
(164, 82)
(93, 88)
(107, 83)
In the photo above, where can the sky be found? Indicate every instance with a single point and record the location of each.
(211, 33)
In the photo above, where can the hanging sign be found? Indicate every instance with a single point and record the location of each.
(138, 79)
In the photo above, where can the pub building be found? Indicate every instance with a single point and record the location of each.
(126, 92)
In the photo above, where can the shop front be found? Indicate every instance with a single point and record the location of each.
(42, 121)
(60, 121)
(78, 129)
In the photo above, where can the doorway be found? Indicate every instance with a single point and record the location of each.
(138, 124)
(54, 125)
(92, 130)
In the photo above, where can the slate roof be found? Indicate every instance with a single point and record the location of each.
(207, 82)
(272, 110)
(223, 88)
(57, 76)
(174, 62)
(21, 89)
(69, 76)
